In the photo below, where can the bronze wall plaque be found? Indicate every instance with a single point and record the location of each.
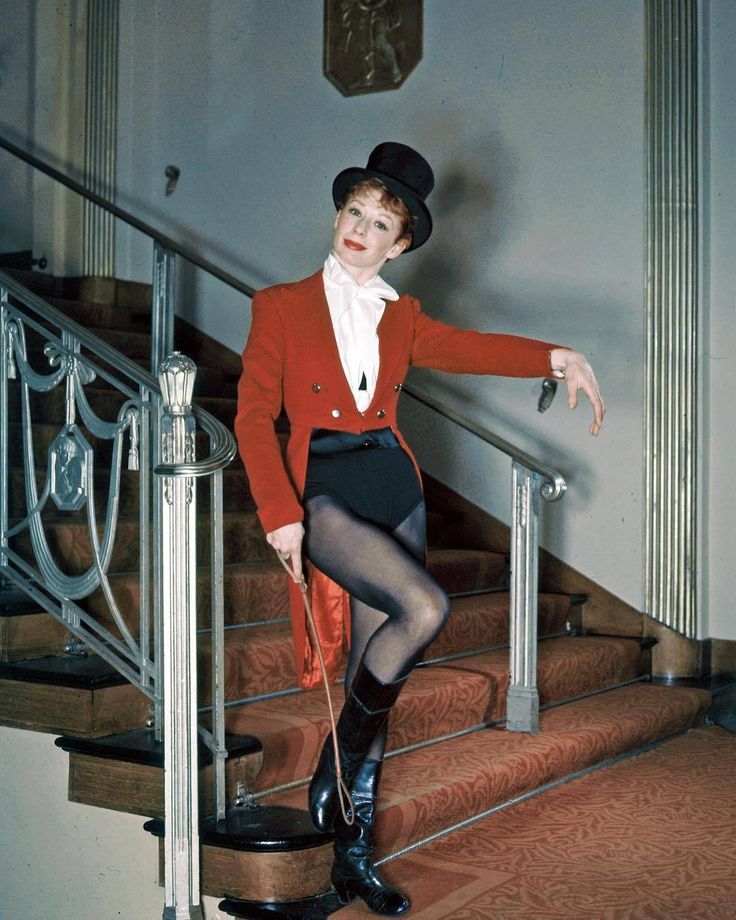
(371, 45)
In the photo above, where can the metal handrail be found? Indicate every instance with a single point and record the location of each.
(167, 242)
(553, 485)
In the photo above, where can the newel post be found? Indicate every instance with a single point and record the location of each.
(522, 702)
(177, 503)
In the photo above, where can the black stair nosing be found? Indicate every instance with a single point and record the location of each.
(645, 642)
(318, 907)
(73, 671)
(714, 683)
(256, 829)
(139, 746)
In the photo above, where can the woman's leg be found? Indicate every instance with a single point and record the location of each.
(379, 572)
(365, 620)
(400, 608)
(353, 873)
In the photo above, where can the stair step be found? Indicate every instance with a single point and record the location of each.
(125, 771)
(264, 846)
(93, 316)
(459, 570)
(68, 538)
(482, 620)
(30, 633)
(134, 296)
(426, 791)
(69, 695)
(235, 492)
(504, 764)
(260, 659)
(438, 700)
(253, 592)
(40, 283)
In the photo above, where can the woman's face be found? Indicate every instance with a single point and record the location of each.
(366, 235)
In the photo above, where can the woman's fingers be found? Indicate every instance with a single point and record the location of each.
(579, 375)
(589, 385)
(287, 540)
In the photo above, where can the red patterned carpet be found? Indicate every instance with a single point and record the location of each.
(649, 838)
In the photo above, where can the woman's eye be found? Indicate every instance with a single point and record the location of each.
(355, 212)
(381, 225)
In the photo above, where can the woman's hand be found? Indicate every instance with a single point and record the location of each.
(287, 540)
(578, 375)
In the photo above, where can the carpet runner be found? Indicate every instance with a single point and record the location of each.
(649, 838)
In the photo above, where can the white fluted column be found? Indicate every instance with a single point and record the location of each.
(671, 547)
(100, 126)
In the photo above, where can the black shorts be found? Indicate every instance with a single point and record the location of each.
(368, 473)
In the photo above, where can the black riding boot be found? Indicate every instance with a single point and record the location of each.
(353, 874)
(362, 718)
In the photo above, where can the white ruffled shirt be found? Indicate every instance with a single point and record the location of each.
(356, 310)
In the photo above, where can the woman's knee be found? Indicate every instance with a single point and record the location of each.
(429, 614)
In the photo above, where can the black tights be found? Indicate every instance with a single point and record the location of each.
(397, 608)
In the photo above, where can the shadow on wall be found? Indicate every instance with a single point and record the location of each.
(472, 211)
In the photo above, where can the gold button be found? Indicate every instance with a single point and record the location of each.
(398, 387)
(316, 388)
(336, 413)
(381, 413)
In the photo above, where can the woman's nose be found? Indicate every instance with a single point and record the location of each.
(361, 225)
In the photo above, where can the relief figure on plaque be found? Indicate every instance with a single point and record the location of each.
(367, 27)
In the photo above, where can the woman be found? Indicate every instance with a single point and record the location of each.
(334, 349)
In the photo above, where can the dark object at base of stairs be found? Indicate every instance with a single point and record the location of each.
(257, 854)
(317, 908)
(722, 688)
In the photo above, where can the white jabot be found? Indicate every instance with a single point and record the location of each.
(356, 310)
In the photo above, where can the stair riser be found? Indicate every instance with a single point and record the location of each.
(139, 788)
(265, 876)
(70, 544)
(32, 635)
(235, 494)
(72, 711)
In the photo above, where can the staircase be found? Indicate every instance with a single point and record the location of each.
(450, 758)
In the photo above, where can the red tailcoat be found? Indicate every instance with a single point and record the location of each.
(291, 358)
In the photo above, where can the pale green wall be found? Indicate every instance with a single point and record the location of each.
(719, 329)
(63, 861)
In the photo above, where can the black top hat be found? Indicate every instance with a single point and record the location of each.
(405, 173)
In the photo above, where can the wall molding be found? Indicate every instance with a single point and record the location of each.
(100, 132)
(671, 279)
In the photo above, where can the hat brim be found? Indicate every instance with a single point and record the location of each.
(422, 228)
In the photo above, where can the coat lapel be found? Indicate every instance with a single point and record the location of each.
(391, 336)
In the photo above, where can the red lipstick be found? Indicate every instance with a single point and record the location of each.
(351, 244)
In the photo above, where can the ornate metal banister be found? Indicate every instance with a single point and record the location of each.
(166, 423)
